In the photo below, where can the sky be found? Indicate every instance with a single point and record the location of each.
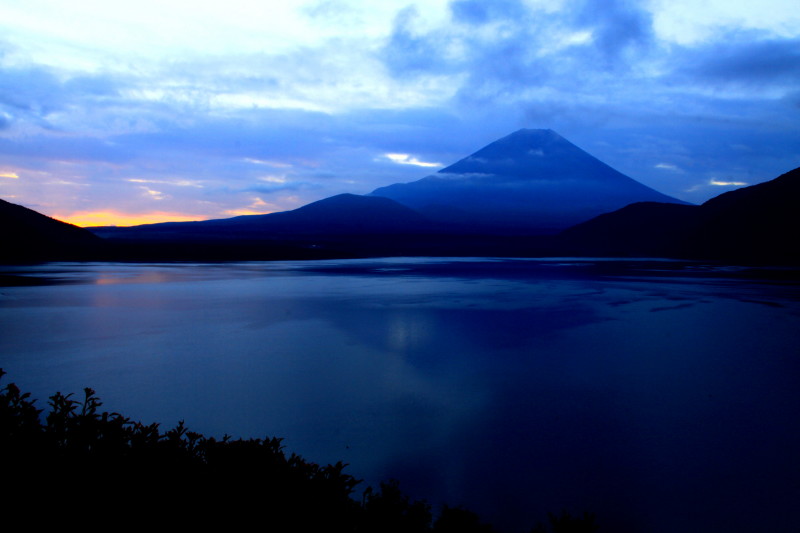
(155, 110)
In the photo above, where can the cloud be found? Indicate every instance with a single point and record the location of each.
(411, 52)
(721, 183)
(714, 183)
(153, 194)
(275, 164)
(498, 52)
(406, 159)
(746, 59)
(617, 26)
(464, 176)
(273, 179)
(477, 12)
(176, 183)
(43, 97)
(257, 207)
(271, 186)
(9, 175)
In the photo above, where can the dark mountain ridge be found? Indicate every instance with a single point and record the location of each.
(759, 223)
(343, 214)
(27, 235)
(345, 225)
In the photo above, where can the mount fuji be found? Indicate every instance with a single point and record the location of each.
(532, 181)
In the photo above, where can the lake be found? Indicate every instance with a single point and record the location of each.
(662, 396)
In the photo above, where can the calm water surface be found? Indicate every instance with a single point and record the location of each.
(662, 397)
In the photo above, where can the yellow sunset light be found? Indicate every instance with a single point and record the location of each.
(114, 218)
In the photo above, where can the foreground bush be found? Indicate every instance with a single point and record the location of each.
(79, 466)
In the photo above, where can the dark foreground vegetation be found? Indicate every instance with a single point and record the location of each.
(78, 465)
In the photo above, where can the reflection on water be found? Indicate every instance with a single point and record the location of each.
(513, 387)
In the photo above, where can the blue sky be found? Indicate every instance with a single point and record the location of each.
(142, 111)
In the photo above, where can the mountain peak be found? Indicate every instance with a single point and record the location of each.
(533, 132)
(526, 153)
(533, 137)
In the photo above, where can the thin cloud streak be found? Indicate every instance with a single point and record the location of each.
(406, 159)
(721, 183)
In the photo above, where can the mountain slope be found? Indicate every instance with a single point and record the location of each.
(760, 223)
(28, 235)
(343, 214)
(530, 181)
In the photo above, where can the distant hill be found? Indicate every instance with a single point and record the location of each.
(27, 235)
(532, 181)
(760, 223)
(343, 214)
(345, 225)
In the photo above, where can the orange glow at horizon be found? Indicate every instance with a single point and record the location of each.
(115, 218)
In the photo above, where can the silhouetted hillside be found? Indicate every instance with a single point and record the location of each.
(341, 226)
(27, 235)
(759, 224)
(344, 214)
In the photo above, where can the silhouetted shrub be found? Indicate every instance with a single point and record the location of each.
(91, 466)
(389, 510)
(80, 466)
